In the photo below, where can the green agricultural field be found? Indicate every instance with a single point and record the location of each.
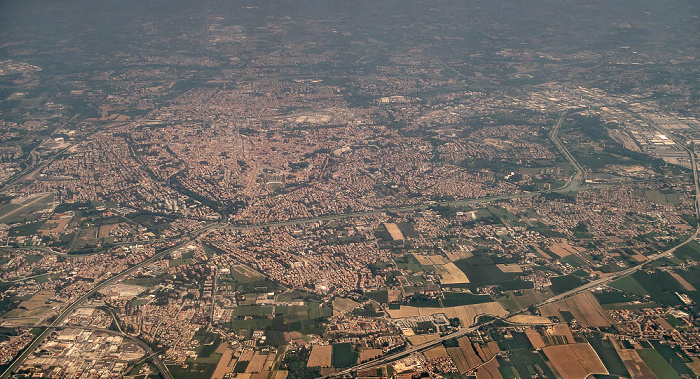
(508, 303)
(454, 299)
(249, 325)
(561, 284)
(343, 355)
(421, 301)
(630, 285)
(608, 355)
(675, 358)
(481, 271)
(613, 297)
(661, 286)
(629, 306)
(657, 364)
(253, 310)
(381, 296)
(663, 197)
(528, 364)
(689, 251)
(307, 326)
(574, 260)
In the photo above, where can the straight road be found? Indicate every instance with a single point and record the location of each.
(574, 182)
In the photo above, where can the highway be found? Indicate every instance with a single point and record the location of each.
(577, 178)
(562, 296)
(115, 278)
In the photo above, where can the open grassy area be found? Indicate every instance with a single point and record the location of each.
(26, 229)
(25, 209)
(409, 262)
(663, 197)
(193, 370)
(180, 262)
(244, 274)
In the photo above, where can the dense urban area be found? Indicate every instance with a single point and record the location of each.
(395, 189)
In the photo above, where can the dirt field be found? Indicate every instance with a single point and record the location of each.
(687, 286)
(451, 274)
(465, 313)
(422, 338)
(342, 305)
(394, 230)
(584, 307)
(37, 301)
(54, 227)
(458, 254)
(489, 350)
(563, 249)
(257, 363)
(226, 363)
(535, 338)
(634, 363)
(428, 260)
(368, 354)
(529, 320)
(575, 361)
(438, 259)
(105, 229)
(458, 358)
(563, 330)
(489, 371)
(320, 356)
(510, 267)
(247, 355)
(423, 259)
(436, 352)
(468, 356)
